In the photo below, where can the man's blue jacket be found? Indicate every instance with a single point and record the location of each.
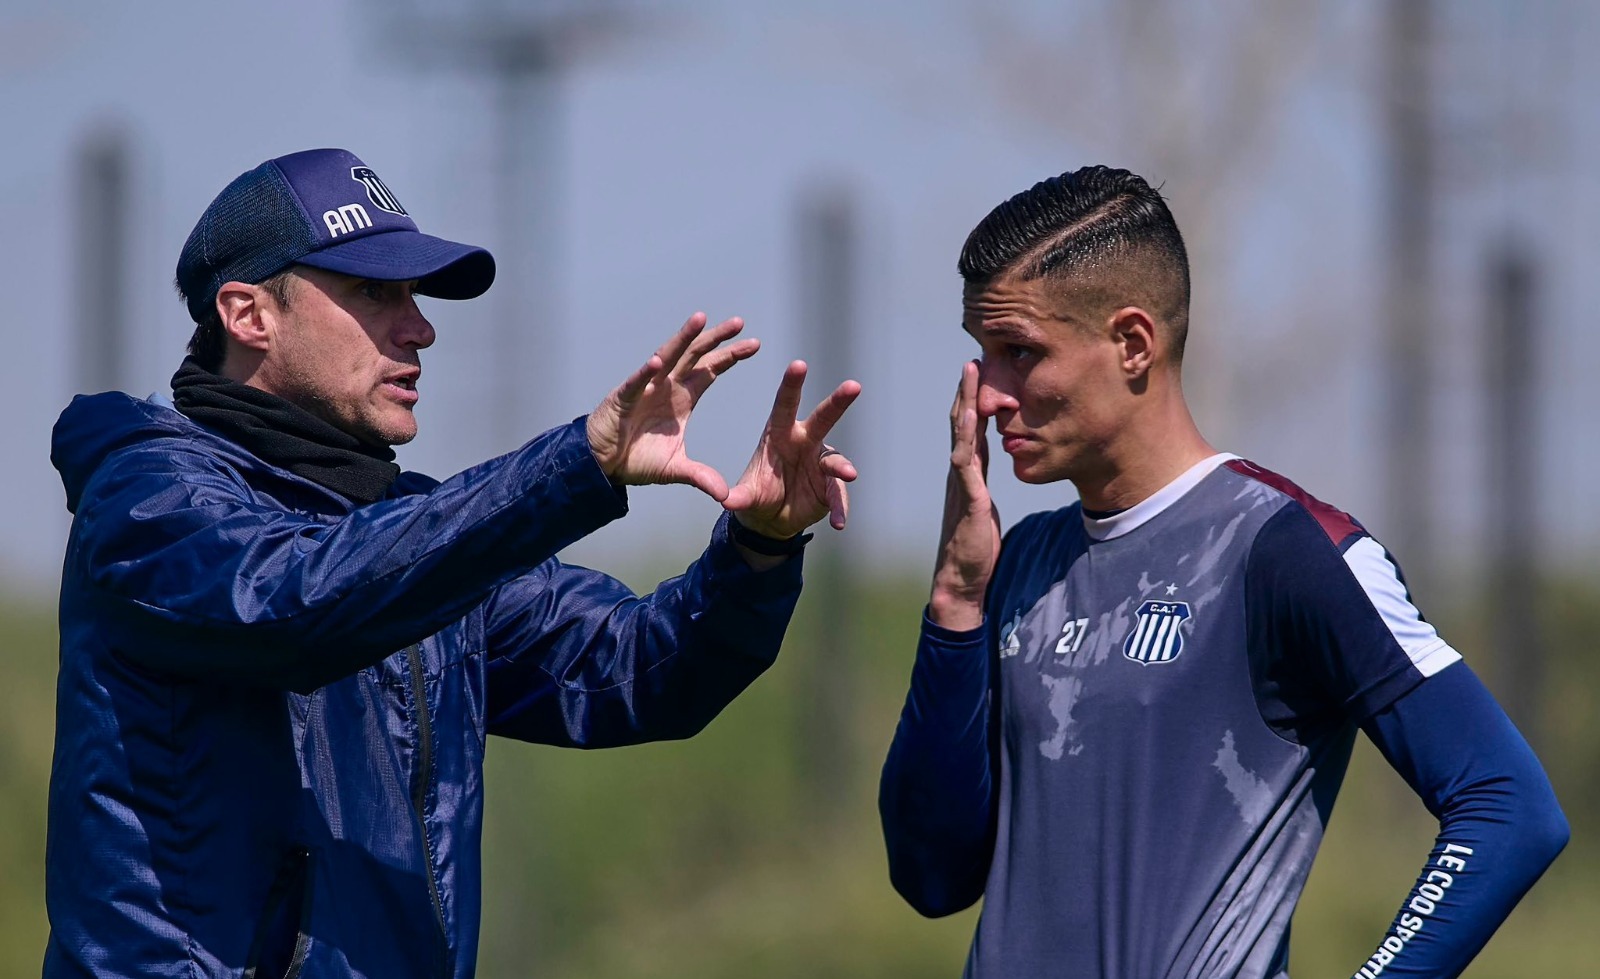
(272, 704)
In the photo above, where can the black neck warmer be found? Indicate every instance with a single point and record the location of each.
(283, 434)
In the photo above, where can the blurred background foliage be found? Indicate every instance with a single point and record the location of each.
(714, 858)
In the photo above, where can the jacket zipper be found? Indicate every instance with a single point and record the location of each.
(419, 792)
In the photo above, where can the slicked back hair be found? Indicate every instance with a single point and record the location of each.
(1095, 223)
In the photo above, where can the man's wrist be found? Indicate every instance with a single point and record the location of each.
(954, 612)
(766, 544)
(606, 463)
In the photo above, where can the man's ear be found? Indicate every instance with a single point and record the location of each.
(1135, 334)
(247, 317)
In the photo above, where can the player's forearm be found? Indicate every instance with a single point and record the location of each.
(1480, 867)
(1500, 823)
(937, 796)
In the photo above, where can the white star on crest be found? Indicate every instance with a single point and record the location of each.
(1172, 589)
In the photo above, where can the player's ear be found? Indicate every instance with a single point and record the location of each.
(1135, 334)
(246, 316)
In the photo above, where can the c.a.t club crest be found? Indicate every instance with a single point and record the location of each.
(1158, 637)
(378, 192)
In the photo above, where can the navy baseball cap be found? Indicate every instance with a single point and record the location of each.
(327, 209)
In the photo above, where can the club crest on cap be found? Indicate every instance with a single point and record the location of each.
(378, 192)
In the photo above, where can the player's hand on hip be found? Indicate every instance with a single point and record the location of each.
(969, 540)
(795, 479)
(637, 432)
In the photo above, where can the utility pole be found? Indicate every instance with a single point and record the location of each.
(1409, 221)
(1511, 347)
(829, 263)
(102, 169)
(523, 50)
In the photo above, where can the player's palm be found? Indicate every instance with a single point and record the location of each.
(637, 432)
(647, 437)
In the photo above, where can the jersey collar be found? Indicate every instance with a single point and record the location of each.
(1145, 510)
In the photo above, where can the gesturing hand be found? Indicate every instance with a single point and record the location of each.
(969, 540)
(637, 432)
(793, 479)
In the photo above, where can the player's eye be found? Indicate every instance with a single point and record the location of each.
(374, 290)
(1016, 351)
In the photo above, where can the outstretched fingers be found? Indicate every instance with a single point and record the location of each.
(827, 414)
(629, 390)
(786, 404)
(706, 341)
(674, 349)
(717, 363)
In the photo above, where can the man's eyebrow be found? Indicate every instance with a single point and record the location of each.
(1003, 330)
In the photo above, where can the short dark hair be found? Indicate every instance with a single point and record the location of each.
(209, 343)
(1095, 219)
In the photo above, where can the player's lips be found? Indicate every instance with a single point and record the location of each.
(403, 386)
(1011, 442)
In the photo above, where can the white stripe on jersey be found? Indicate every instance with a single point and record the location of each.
(1381, 581)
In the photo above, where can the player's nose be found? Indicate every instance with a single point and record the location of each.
(994, 395)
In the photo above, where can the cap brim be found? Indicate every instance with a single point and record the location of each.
(443, 269)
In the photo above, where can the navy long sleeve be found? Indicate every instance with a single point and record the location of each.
(187, 560)
(1500, 825)
(937, 796)
(576, 659)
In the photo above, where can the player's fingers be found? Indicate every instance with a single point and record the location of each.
(981, 442)
(717, 363)
(628, 391)
(835, 465)
(672, 351)
(966, 397)
(703, 344)
(827, 414)
(786, 405)
(972, 469)
(741, 497)
(702, 477)
(963, 439)
(838, 504)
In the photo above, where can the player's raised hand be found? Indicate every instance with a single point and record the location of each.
(637, 432)
(969, 540)
(794, 479)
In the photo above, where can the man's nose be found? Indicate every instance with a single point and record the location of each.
(415, 330)
(994, 395)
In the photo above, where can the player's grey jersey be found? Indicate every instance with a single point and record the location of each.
(1178, 689)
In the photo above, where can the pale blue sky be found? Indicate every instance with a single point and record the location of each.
(682, 154)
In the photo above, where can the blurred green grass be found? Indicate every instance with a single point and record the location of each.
(713, 858)
(27, 730)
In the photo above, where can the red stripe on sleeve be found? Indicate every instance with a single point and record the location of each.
(1338, 525)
